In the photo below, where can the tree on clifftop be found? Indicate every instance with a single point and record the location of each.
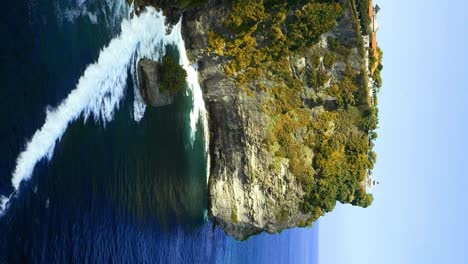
(311, 21)
(364, 201)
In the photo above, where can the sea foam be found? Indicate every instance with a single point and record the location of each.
(102, 86)
(198, 113)
(99, 89)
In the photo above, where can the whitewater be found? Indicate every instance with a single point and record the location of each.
(102, 86)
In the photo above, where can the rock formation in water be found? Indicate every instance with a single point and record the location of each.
(283, 149)
(148, 72)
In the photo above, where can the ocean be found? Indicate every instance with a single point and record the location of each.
(93, 176)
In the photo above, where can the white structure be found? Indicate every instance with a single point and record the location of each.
(371, 183)
(370, 45)
(366, 40)
(374, 23)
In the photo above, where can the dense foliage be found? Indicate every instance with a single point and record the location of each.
(171, 75)
(329, 151)
(311, 21)
(376, 59)
(363, 9)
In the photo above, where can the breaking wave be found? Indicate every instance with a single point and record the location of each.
(102, 86)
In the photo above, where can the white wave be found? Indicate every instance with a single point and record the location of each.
(117, 10)
(3, 203)
(80, 2)
(92, 17)
(99, 90)
(139, 105)
(102, 86)
(111, 12)
(198, 113)
(72, 14)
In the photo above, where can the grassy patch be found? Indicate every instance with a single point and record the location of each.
(234, 218)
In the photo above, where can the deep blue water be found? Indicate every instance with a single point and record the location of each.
(125, 192)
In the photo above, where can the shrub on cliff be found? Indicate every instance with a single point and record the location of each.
(171, 75)
(337, 47)
(327, 151)
(245, 14)
(364, 201)
(344, 92)
(370, 119)
(363, 9)
(311, 21)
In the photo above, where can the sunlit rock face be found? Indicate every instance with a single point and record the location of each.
(250, 189)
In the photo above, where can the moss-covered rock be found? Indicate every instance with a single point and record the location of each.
(172, 77)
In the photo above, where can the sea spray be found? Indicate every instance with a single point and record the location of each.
(3, 203)
(99, 90)
(110, 12)
(102, 86)
(198, 112)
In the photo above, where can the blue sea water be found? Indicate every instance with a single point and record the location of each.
(116, 192)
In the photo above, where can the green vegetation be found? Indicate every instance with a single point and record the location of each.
(329, 59)
(317, 78)
(377, 61)
(311, 21)
(349, 91)
(357, 26)
(341, 160)
(171, 75)
(363, 9)
(282, 216)
(234, 218)
(245, 14)
(337, 47)
(216, 43)
(328, 151)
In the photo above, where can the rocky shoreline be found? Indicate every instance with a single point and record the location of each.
(247, 195)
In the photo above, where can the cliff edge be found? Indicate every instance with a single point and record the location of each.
(287, 109)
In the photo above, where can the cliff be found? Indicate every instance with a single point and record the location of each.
(268, 135)
(245, 196)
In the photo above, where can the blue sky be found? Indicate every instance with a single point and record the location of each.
(419, 214)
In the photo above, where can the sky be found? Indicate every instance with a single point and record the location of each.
(419, 214)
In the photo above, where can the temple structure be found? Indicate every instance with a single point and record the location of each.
(369, 40)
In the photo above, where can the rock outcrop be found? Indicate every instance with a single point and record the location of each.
(149, 88)
(250, 189)
(246, 197)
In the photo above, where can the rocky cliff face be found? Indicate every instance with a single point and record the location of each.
(247, 195)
